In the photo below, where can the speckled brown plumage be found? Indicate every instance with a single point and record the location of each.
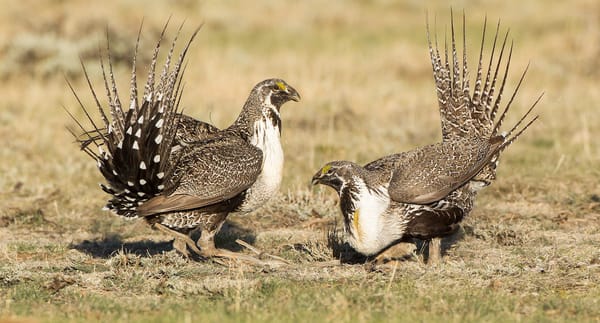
(179, 173)
(425, 193)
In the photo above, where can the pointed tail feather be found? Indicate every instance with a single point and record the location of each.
(134, 146)
(488, 173)
(465, 115)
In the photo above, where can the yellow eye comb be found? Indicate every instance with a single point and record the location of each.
(281, 86)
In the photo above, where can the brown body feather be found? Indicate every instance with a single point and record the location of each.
(174, 170)
(425, 193)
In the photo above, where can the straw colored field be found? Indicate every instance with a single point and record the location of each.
(529, 251)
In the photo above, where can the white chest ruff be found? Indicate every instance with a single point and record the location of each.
(266, 138)
(368, 224)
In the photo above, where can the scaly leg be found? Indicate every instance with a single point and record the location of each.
(181, 247)
(435, 251)
(181, 240)
(393, 256)
(399, 251)
(208, 250)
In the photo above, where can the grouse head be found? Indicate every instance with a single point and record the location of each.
(274, 93)
(265, 101)
(278, 92)
(337, 174)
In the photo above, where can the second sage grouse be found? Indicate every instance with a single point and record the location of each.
(426, 192)
(177, 173)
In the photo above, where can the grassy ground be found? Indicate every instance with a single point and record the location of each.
(529, 251)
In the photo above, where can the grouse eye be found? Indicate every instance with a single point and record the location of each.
(327, 170)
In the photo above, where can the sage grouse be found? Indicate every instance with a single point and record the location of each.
(177, 173)
(426, 192)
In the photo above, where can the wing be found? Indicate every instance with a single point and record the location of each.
(430, 173)
(191, 130)
(208, 172)
(387, 163)
(440, 218)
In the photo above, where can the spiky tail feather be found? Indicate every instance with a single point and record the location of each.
(134, 146)
(465, 115)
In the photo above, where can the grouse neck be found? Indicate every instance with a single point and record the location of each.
(365, 209)
(252, 113)
(264, 134)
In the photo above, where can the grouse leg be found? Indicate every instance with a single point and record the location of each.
(182, 241)
(258, 252)
(399, 251)
(208, 250)
(181, 247)
(435, 251)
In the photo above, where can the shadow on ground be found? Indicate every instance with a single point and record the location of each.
(230, 232)
(448, 242)
(109, 245)
(341, 249)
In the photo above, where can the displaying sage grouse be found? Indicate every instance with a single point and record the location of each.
(426, 192)
(177, 173)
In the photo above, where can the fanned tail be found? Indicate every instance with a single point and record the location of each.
(133, 148)
(488, 173)
(466, 115)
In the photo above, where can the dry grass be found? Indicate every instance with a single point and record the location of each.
(529, 252)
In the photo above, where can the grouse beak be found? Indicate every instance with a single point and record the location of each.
(292, 94)
(317, 178)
